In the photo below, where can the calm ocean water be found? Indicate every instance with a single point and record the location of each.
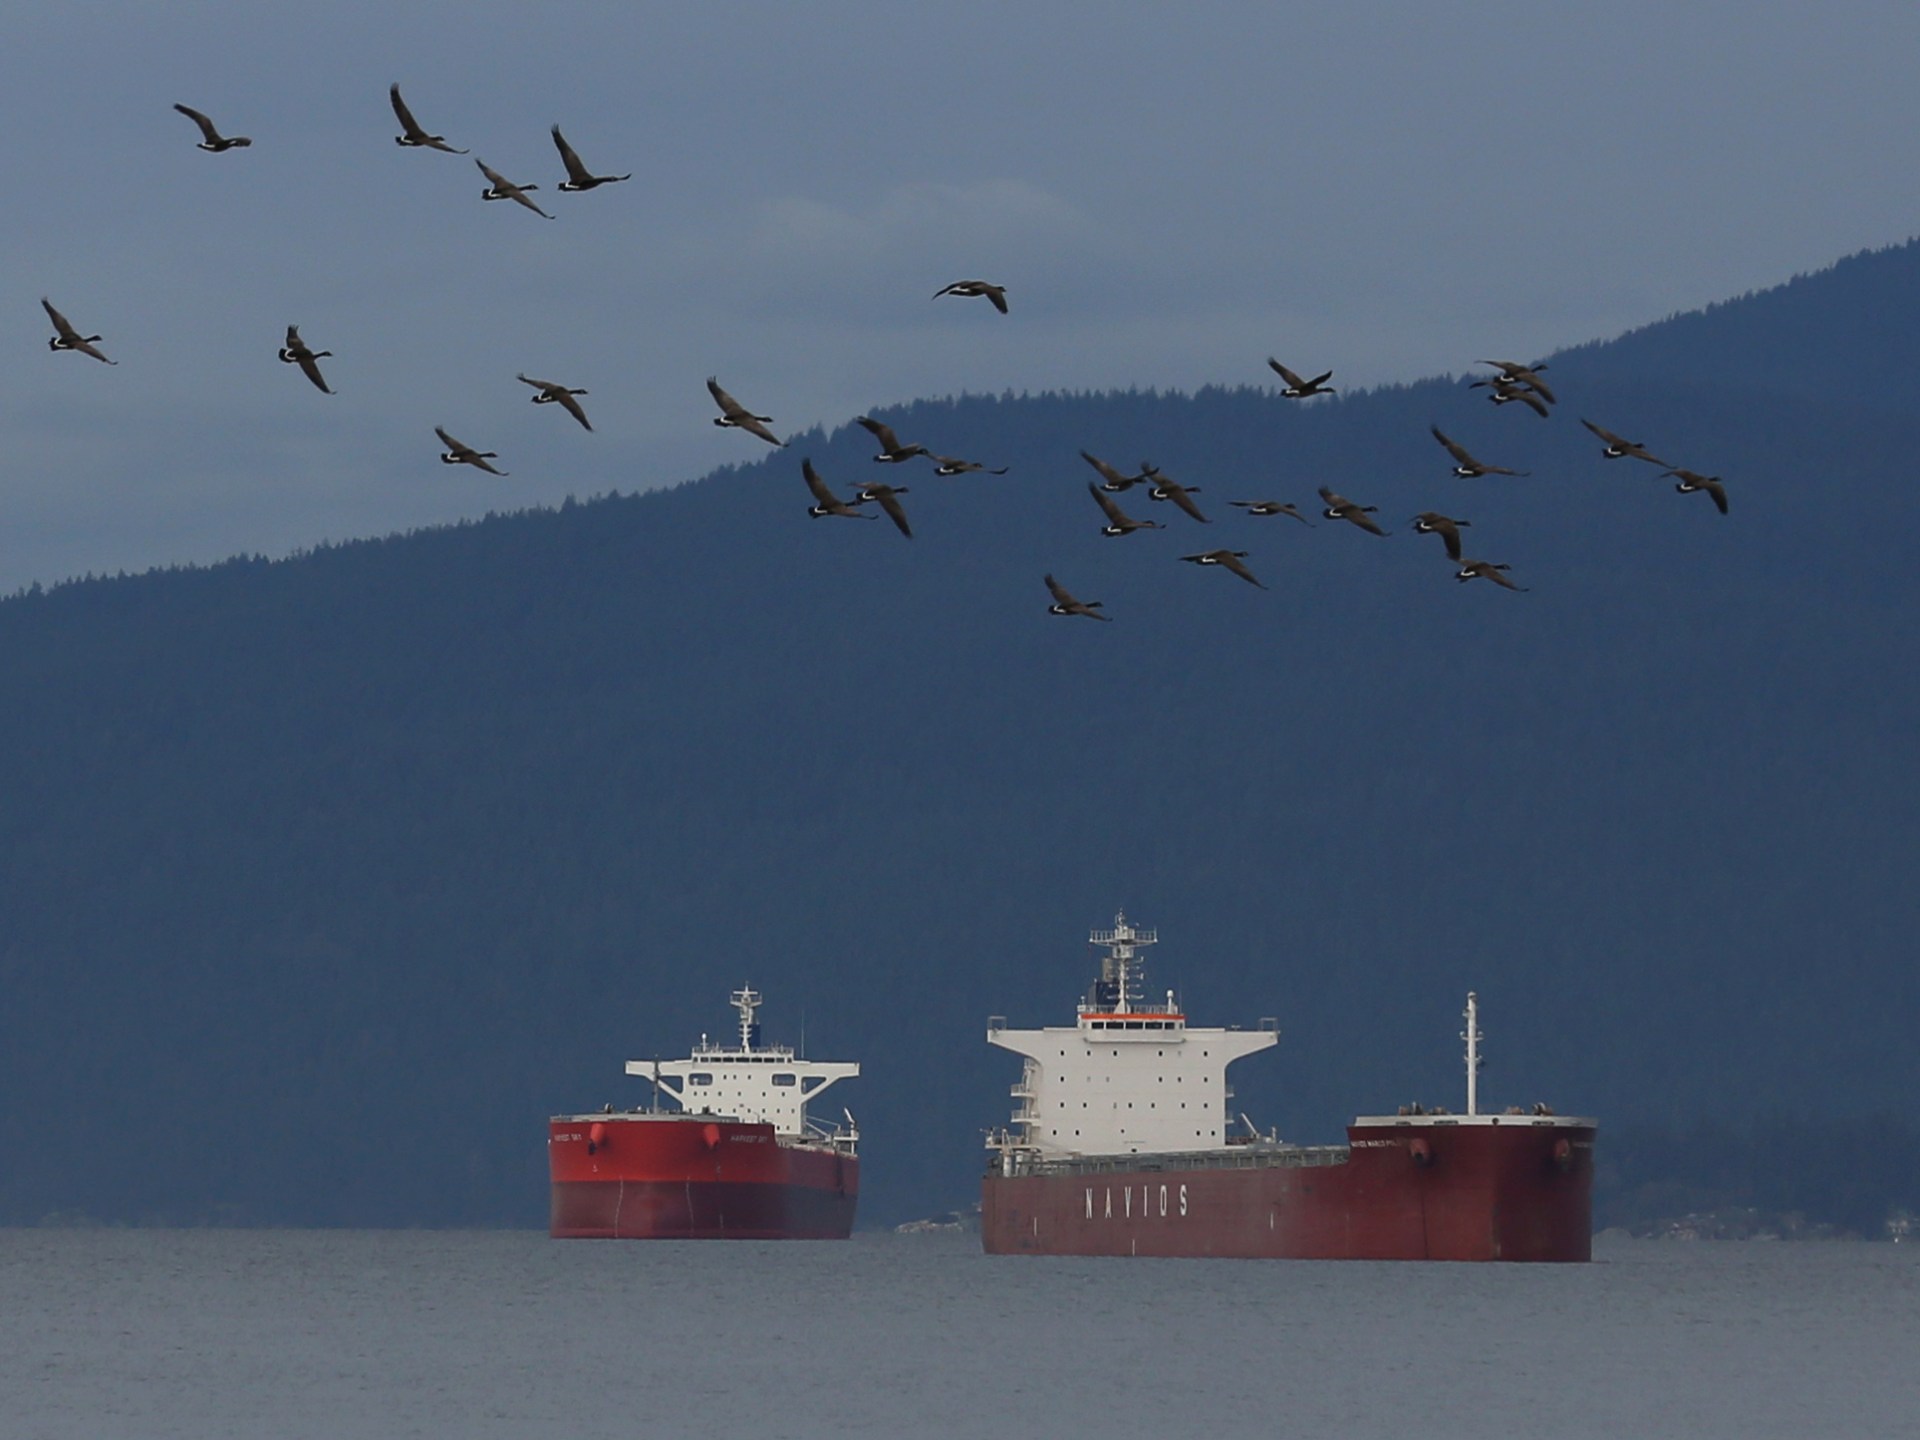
(343, 1334)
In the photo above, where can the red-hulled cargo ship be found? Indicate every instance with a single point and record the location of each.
(1121, 1147)
(739, 1160)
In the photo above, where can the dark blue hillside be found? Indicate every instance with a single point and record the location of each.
(322, 882)
(1844, 334)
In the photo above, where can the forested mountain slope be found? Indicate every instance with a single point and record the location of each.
(322, 882)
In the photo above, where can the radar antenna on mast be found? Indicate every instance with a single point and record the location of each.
(1121, 969)
(747, 1001)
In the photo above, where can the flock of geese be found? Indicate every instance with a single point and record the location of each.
(1512, 384)
(413, 135)
(296, 351)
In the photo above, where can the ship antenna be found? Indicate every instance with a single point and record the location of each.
(746, 1000)
(1122, 966)
(1473, 1037)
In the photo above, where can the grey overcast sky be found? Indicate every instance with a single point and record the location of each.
(1170, 193)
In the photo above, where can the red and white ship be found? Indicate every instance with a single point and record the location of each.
(739, 1160)
(1120, 1146)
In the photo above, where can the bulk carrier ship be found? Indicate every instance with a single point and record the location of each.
(739, 1160)
(1120, 1146)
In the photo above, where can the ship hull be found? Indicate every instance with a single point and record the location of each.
(1401, 1190)
(671, 1177)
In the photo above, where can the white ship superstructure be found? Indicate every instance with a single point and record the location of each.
(1130, 1076)
(760, 1084)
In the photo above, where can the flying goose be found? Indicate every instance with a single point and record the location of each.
(504, 189)
(1341, 508)
(1226, 560)
(1111, 480)
(1486, 570)
(1118, 521)
(578, 176)
(1432, 522)
(458, 454)
(951, 465)
(1466, 467)
(1692, 480)
(297, 352)
(996, 293)
(883, 495)
(1298, 389)
(214, 142)
(1271, 507)
(734, 415)
(1165, 487)
(1528, 375)
(413, 134)
(1065, 604)
(1502, 391)
(826, 502)
(1617, 448)
(69, 338)
(556, 394)
(892, 452)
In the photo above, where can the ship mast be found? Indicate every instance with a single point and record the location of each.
(747, 1000)
(1473, 1037)
(1121, 966)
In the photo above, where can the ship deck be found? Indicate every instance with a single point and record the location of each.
(1261, 1154)
(1239, 1157)
(823, 1143)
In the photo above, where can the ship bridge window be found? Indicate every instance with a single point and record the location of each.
(783, 1079)
(699, 1077)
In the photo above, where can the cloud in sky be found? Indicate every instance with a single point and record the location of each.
(923, 215)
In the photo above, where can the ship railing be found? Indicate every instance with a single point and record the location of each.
(1028, 1086)
(1241, 1157)
(839, 1136)
(705, 1049)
